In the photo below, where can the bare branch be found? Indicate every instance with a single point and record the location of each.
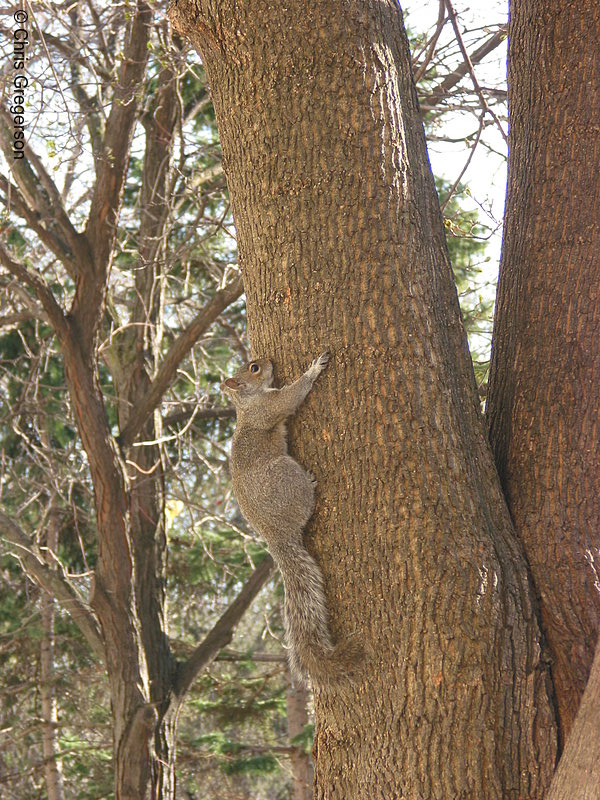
(53, 583)
(222, 632)
(258, 658)
(466, 166)
(198, 413)
(111, 168)
(160, 124)
(15, 202)
(65, 48)
(43, 198)
(179, 349)
(450, 81)
(42, 292)
(106, 200)
(441, 21)
(100, 30)
(471, 71)
(280, 749)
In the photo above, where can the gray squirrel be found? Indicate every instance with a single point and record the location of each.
(277, 498)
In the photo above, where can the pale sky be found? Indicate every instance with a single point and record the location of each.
(486, 175)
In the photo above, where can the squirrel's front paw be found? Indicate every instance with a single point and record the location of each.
(319, 364)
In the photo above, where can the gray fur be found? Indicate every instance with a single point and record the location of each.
(277, 497)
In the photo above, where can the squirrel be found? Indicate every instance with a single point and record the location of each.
(277, 498)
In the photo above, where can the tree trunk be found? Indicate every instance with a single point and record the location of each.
(342, 249)
(543, 395)
(52, 761)
(297, 717)
(578, 774)
(133, 349)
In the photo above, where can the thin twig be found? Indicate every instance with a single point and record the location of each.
(468, 62)
(441, 21)
(442, 90)
(466, 166)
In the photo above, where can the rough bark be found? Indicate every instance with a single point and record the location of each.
(139, 345)
(114, 598)
(297, 717)
(543, 395)
(342, 249)
(578, 773)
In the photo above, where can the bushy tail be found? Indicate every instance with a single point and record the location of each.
(311, 650)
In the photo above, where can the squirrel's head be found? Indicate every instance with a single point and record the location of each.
(253, 378)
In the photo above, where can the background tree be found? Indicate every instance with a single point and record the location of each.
(75, 280)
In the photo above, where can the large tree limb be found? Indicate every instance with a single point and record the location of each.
(379, 294)
(578, 773)
(110, 176)
(222, 632)
(53, 583)
(179, 349)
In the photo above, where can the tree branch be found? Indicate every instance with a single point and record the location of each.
(65, 48)
(469, 66)
(578, 770)
(111, 168)
(441, 21)
(199, 413)
(222, 632)
(110, 176)
(43, 198)
(179, 349)
(41, 290)
(450, 81)
(258, 658)
(52, 582)
(15, 202)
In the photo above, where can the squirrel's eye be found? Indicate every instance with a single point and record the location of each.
(254, 368)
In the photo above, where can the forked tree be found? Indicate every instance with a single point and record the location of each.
(447, 587)
(342, 248)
